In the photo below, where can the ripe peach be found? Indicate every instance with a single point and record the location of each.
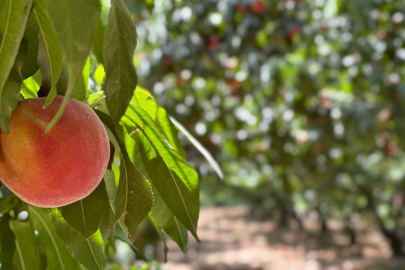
(55, 168)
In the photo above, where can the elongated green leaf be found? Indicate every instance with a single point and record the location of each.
(7, 242)
(31, 34)
(110, 186)
(89, 252)
(160, 231)
(162, 215)
(11, 91)
(85, 215)
(119, 47)
(75, 23)
(214, 164)
(168, 126)
(159, 115)
(118, 230)
(50, 57)
(168, 222)
(58, 257)
(14, 15)
(105, 224)
(81, 88)
(98, 43)
(174, 179)
(25, 245)
(134, 197)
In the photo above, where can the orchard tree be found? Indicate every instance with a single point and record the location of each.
(301, 102)
(85, 154)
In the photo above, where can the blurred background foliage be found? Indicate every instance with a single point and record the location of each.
(300, 101)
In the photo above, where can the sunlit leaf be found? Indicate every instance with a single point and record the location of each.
(162, 215)
(176, 182)
(29, 88)
(149, 104)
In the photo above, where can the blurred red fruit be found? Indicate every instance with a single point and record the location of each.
(242, 9)
(319, 148)
(257, 7)
(213, 43)
(294, 32)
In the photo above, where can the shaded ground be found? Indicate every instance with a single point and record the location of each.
(232, 240)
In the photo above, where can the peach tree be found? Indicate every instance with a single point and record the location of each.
(56, 51)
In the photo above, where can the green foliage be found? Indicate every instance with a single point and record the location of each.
(58, 257)
(68, 16)
(50, 55)
(7, 243)
(51, 48)
(85, 215)
(119, 86)
(11, 89)
(26, 249)
(87, 251)
(13, 20)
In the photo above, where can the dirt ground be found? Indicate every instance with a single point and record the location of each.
(232, 240)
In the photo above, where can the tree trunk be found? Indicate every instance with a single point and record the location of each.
(396, 243)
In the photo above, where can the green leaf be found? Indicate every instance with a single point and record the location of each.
(98, 43)
(81, 88)
(162, 215)
(119, 47)
(110, 186)
(120, 231)
(159, 115)
(94, 99)
(58, 257)
(174, 179)
(105, 224)
(160, 232)
(89, 252)
(75, 23)
(31, 35)
(168, 222)
(85, 215)
(7, 242)
(11, 91)
(50, 58)
(14, 15)
(134, 197)
(214, 164)
(29, 88)
(25, 245)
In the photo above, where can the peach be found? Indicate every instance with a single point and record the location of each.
(55, 168)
